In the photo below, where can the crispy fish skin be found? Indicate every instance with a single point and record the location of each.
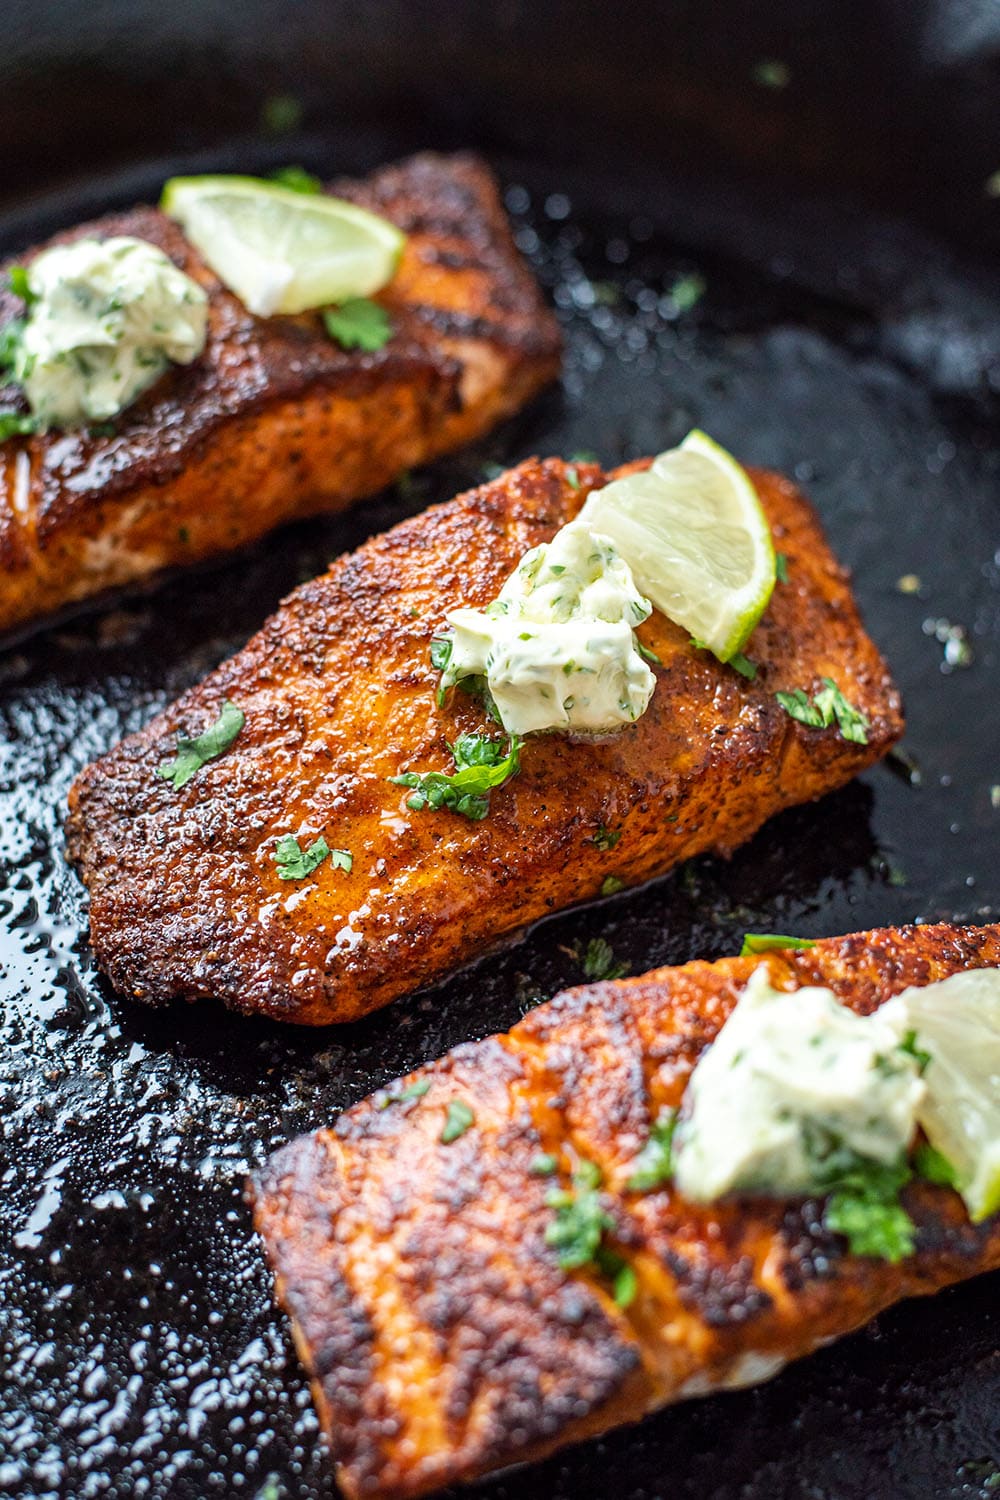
(275, 421)
(442, 1339)
(339, 696)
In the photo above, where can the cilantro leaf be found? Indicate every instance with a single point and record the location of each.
(481, 765)
(358, 324)
(826, 707)
(909, 1045)
(932, 1166)
(295, 863)
(863, 1203)
(415, 1090)
(606, 838)
(654, 1165)
(598, 961)
(648, 655)
(16, 424)
(851, 722)
(457, 1121)
(687, 291)
(743, 665)
(17, 280)
(441, 649)
(626, 1284)
(871, 1223)
(611, 885)
(297, 180)
(193, 754)
(578, 1228)
(572, 477)
(762, 942)
(781, 567)
(580, 1220)
(10, 342)
(543, 1165)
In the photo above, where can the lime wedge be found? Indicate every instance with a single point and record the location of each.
(694, 533)
(957, 1022)
(281, 251)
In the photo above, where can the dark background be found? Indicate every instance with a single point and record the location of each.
(778, 222)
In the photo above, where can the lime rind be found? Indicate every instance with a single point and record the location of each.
(281, 251)
(694, 533)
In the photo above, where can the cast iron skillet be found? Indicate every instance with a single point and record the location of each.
(771, 221)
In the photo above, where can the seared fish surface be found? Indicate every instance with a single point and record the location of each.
(274, 420)
(441, 1337)
(339, 697)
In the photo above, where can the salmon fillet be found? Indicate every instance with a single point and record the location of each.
(339, 696)
(440, 1335)
(275, 421)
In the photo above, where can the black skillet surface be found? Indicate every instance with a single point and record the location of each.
(141, 1355)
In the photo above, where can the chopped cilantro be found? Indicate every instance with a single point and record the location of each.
(584, 456)
(191, 755)
(16, 424)
(648, 655)
(863, 1198)
(743, 665)
(932, 1166)
(865, 1208)
(606, 838)
(772, 73)
(17, 280)
(457, 1121)
(781, 567)
(572, 477)
(297, 180)
(654, 1165)
(544, 1165)
(598, 961)
(281, 114)
(270, 1489)
(10, 342)
(578, 1229)
(358, 324)
(295, 863)
(909, 1045)
(611, 885)
(825, 708)
(481, 765)
(415, 1090)
(441, 649)
(763, 942)
(580, 1218)
(625, 1285)
(687, 292)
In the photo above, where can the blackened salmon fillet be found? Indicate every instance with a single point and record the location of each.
(442, 1338)
(274, 420)
(339, 697)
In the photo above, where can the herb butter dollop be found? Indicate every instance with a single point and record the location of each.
(557, 647)
(105, 319)
(792, 1080)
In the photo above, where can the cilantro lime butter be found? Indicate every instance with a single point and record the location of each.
(105, 318)
(793, 1082)
(557, 647)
